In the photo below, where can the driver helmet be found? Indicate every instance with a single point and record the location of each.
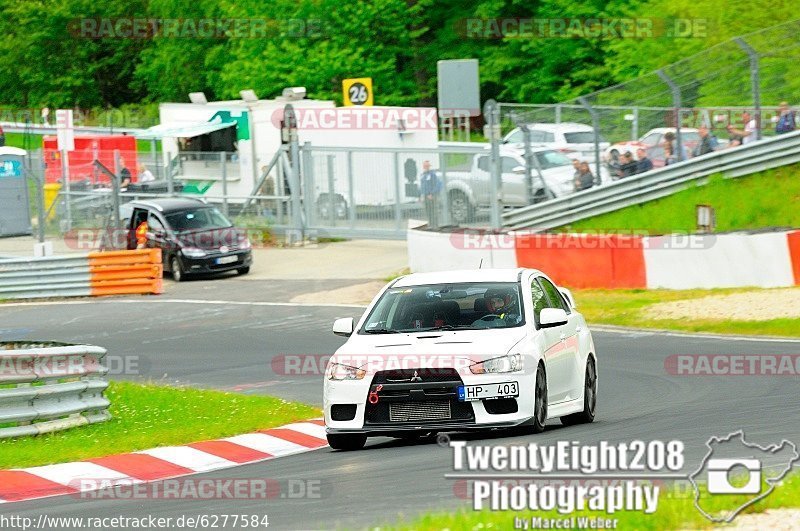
(498, 301)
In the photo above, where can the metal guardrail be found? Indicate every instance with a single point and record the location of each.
(47, 387)
(84, 275)
(735, 162)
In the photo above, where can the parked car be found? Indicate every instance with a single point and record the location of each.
(575, 140)
(458, 351)
(469, 191)
(194, 237)
(653, 142)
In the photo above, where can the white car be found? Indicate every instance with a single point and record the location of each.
(574, 140)
(457, 351)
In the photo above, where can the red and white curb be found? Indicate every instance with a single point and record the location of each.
(160, 463)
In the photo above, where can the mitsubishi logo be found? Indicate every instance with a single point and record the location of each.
(416, 377)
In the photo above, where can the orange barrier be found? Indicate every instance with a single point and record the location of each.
(585, 260)
(126, 272)
(793, 239)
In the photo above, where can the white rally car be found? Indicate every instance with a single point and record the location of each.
(460, 350)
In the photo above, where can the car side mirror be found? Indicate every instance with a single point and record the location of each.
(568, 295)
(550, 317)
(519, 169)
(343, 327)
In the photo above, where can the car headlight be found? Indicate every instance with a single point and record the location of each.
(244, 243)
(508, 363)
(193, 252)
(339, 371)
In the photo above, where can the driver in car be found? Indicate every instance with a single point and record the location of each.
(501, 305)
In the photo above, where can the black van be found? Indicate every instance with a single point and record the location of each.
(194, 237)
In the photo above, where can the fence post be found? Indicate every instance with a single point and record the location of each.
(495, 169)
(154, 151)
(115, 182)
(309, 187)
(635, 124)
(331, 203)
(445, 197)
(558, 114)
(530, 164)
(351, 193)
(676, 103)
(754, 81)
(290, 119)
(39, 176)
(596, 127)
(168, 171)
(68, 198)
(398, 218)
(224, 162)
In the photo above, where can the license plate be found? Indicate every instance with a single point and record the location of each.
(227, 259)
(470, 393)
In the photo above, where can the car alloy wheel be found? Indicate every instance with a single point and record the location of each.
(177, 272)
(540, 401)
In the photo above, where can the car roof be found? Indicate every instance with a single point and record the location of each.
(668, 129)
(563, 126)
(169, 204)
(464, 275)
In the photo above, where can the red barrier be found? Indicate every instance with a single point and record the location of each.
(585, 260)
(793, 239)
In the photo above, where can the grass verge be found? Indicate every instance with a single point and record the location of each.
(674, 512)
(765, 199)
(146, 416)
(626, 308)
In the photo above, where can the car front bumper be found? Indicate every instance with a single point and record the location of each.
(208, 264)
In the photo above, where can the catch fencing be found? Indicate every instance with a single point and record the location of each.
(47, 387)
(85, 275)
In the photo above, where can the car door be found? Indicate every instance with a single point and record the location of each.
(552, 342)
(157, 237)
(139, 215)
(513, 184)
(570, 375)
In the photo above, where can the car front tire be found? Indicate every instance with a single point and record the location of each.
(243, 270)
(347, 442)
(540, 401)
(461, 210)
(177, 269)
(589, 398)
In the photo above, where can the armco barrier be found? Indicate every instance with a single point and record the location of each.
(47, 387)
(764, 259)
(93, 274)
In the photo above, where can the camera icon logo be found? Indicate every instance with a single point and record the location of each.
(724, 476)
(736, 473)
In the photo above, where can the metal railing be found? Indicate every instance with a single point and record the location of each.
(635, 190)
(47, 387)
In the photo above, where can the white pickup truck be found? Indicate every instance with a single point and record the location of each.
(468, 191)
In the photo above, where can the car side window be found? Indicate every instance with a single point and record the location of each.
(483, 163)
(652, 139)
(154, 224)
(537, 136)
(509, 164)
(556, 300)
(515, 137)
(549, 137)
(539, 300)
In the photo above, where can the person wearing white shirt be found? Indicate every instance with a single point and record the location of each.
(145, 175)
(749, 133)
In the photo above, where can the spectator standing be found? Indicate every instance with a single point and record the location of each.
(671, 144)
(145, 175)
(643, 163)
(748, 134)
(429, 188)
(46, 115)
(786, 120)
(124, 174)
(583, 177)
(708, 142)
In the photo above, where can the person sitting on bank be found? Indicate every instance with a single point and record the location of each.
(643, 163)
(583, 177)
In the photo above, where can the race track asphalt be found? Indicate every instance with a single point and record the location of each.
(231, 345)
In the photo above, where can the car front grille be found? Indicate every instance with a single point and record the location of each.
(419, 411)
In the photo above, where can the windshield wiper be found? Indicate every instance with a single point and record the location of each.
(444, 327)
(381, 331)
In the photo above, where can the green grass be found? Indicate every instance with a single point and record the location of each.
(674, 512)
(625, 308)
(766, 199)
(146, 416)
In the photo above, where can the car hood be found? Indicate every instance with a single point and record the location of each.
(211, 239)
(434, 349)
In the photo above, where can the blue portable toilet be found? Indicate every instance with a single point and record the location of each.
(15, 217)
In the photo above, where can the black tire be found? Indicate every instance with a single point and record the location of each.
(589, 398)
(540, 401)
(243, 270)
(178, 274)
(461, 210)
(347, 442)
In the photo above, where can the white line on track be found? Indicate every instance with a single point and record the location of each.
(145, 300)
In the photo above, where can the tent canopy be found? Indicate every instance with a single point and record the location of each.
(182, 130)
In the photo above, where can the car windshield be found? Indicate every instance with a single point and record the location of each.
(581, 137)
(552, 159)
(465, 306)
(202, 218)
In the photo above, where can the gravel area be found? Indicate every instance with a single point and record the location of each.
(758, 305)
(772, 519)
